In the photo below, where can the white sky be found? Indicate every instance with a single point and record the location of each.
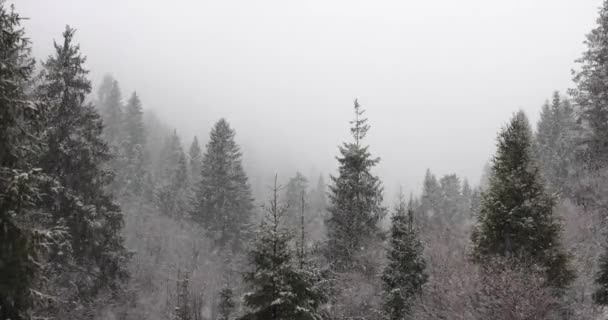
(438, 78)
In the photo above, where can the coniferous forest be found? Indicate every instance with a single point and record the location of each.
(107, 212)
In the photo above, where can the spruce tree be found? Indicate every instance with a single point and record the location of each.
(296, 186)
(227, 304)
(196, 161)
(591, 91)
(555, 142)
(516, 218)
(280, 289)
(222, 201)
(355, 198)
(172, 191)
(20, 119)
(75, 155)
(134, 146)
(404, 275)
(110, 105)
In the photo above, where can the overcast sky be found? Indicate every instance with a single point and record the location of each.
(438, 78)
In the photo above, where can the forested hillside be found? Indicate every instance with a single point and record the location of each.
(108, 212)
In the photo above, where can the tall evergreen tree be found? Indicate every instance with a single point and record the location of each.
(404, 275)
(222, 202)
(110, 106)
(296, 186)
(75, 155)
(134, 145)
(172, 191)
(196, 161)
(355, 199)
(21, 118)
(280, 290)
(591, 91)
(555, 142)
(516, 216)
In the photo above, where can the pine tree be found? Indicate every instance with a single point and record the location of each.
(222, 201)
(355, 199)
(134, 146)
(281, 290)
(600, 296)
(110, 106)
(172, 192)
(404, 275)
(592, 91)
(516, 216)
(20, 120)
(75, 155)
(227, 304)
(555, 142)
(293, 193)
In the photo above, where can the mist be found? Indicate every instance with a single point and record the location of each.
(438, 78)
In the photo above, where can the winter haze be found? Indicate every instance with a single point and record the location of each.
(438, 78)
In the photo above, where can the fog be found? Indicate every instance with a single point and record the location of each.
(438, 78)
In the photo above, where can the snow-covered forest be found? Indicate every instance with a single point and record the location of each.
(108, 212)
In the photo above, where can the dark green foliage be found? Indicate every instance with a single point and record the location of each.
(600, 296)
(227, 305)
(16, 110)
(222, 202)
(75, 155)
(516, 215)
(355, 199)
(280, 289)
(404, 275)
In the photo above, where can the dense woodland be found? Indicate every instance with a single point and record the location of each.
(106, 212)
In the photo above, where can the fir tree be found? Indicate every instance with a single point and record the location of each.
(404, 275)
(222, 201)
(592, 91)
(281, 290)
(172, 193)
(293, 193)
(75, 155)
(134, 145)
(600, 296)
(196, 161)
(110, 105)
(516, 215)
(227, 305)
(355, 199)
(555, 142)
(20, 119)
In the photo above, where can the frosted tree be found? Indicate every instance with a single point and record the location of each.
(25, 229)
(355, 199)
(280, 290)
(555, 143)
(404, 274)
(134, 146)
(110, 105)
(172, 191)
(516, 217)
(296, 186)
(222, 202)
(76, 155)
(195, 156)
